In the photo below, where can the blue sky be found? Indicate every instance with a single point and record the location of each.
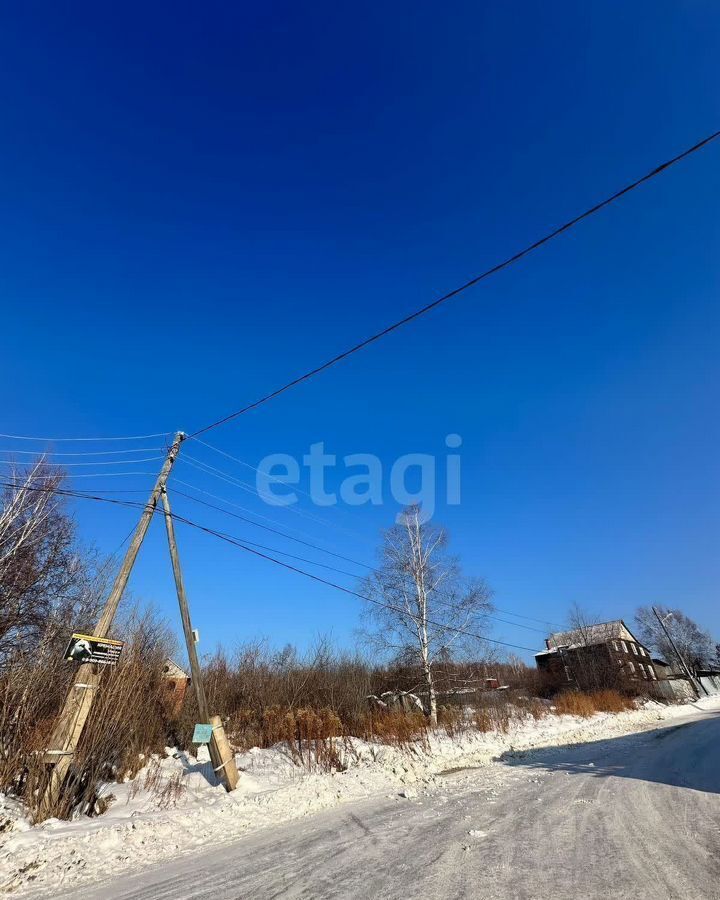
(199, 205)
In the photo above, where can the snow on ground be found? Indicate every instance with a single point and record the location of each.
(173, 806)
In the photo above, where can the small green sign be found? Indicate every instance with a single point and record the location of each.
(202, 734)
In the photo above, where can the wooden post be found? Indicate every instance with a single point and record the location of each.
(221, 755)
(74, 714)
(228, 769)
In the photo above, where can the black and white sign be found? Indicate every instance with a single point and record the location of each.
(84, 648)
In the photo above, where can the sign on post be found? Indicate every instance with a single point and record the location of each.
(202, 734)
(85, 648)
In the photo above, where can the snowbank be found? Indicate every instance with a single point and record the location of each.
(174, 807)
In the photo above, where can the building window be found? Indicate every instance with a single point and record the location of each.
(643, 651)
(642, 669)
(634, 649)
(568, 674)
(616, 646)
(652, 674)
(624, 646)
(631, 668)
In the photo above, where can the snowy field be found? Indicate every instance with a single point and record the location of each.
(171, 808)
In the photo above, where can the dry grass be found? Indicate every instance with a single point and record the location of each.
(575, 703)
(167, 789)
(310, 735)
(533, 706)
(611, 701)
(452, 720)
(394, 727)
(127, 719)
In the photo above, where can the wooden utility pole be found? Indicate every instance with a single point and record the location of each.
(74, 714)
(683, 664)
(223, 759)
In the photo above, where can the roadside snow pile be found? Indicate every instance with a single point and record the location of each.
(175, 806)
(13, 818)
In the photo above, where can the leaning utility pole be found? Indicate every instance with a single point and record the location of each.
(684, 666)
(223, 759)
(79, 700)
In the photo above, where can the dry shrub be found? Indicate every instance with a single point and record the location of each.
(452, 719)
(498, 708)
(172, 791)
(314, 734)
(574, 703)
(501, 717)
(533, 706)
(394, 727)
(483, 720)
(310, 735)
(127, 719)
(611, 701)
(256, 687)
(167, 789)
(495, 717)
(309, 703)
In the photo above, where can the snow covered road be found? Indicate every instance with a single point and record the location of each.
(635, 816)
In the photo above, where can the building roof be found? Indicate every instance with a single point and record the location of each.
(172, 670)
(590, 635)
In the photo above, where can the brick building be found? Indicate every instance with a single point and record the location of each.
(176, 682)
(597, 656)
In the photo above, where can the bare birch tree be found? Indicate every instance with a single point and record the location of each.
(48, 581)
(692, 640)
(420, 604)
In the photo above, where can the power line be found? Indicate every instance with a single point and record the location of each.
(464, 287)
(250, 512)
(344, 590)
(304, 559)
(64, 492)
(110, 474)
(334, 568)
(266, 527)
(272, 478)
(135, 437)
(111, 462)
(225, 536)
(245, 545)
(190, 460)
(73, 475)
(529, 618)
(346, 558)
(136, 505)
(53, 454)
(249, 466)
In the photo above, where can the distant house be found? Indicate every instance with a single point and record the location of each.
(597, 656)
(176, 681)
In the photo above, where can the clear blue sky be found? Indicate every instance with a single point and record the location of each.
(199, 203)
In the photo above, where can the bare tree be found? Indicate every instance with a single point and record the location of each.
(420, 604)
(694, 642)
(48, 581)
